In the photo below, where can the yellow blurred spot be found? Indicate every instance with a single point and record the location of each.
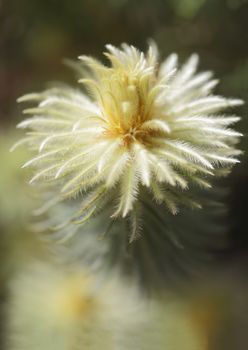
(73, 300)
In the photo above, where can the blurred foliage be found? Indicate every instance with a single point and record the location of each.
(18, 245)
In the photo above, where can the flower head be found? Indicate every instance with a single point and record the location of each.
(141, 125)
(52, 307)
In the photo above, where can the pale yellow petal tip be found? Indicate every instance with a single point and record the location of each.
(28, 97)
(82, 57)
(237, 102)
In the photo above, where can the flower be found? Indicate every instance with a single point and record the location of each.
(53, 307)
(139, 126)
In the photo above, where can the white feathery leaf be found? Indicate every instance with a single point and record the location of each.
(171, 157)
(208, 87)
(181, 181)
(194, 83)
(91, 180)
(225, 120)
(201, 182)
(21, 142)
(189, 151)
(117, 169)
(129, 187)
(107, 154)
(135, 219)
(43, 172)
(162, 196)
(30, 97)
(206, 105)
(141, 158)
(42, 156)
(79, 177)
(186, 72)
(162, 170)
(169, 66)
(91, 199)
(156, 124)
(222, 159)
(72, 134)
(41, 121)
(222, 132)
(68, 163)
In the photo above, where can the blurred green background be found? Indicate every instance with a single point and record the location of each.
(35, 37)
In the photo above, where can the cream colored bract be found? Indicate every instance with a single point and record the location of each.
(141, 124)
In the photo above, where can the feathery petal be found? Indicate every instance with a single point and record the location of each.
(140, 126)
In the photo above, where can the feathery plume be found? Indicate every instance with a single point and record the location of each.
(140, 127)
(55, 308)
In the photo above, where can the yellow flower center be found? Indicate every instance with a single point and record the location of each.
(125, 108)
